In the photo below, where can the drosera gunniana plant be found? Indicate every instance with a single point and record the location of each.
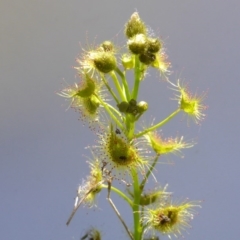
(112, 109)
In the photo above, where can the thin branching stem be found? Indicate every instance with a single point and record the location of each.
(106, 106)
(125, 83)
(120, 193)
(149, 172)
(109, 89)
(116, 211)
(158, 125)
(118, 87)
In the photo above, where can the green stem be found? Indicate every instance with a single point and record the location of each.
(148, 173)
(125, 83)
(116, 82)
(137, 73)
(120, 193)
(130, 122)
(130, 126)
(135, 208)
(119, 124)
(114, 109)
(109, 88)
(160, 124)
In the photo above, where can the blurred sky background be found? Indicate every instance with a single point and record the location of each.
(41, 144)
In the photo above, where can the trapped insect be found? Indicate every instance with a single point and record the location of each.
(118, 131)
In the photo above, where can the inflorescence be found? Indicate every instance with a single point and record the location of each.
(106, 102)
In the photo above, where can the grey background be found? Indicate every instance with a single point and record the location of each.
(41, 144)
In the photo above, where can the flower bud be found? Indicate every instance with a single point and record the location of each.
(135, 26)
(133, 109)
(138, 44)
(148, 199)
(142, 107)
(105, 62)
(123, 106)
(89, 88)
(154, 45)
(147, 58)
(133, 102)
(128, 61)
(107, 46)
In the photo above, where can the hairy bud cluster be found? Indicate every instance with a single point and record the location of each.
(149, 50)
(133, 108)
(145, 47)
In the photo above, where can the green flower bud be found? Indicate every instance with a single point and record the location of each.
(89, 88)
(148, 199)
(105, 62)
(107, 46)
(133, 109)
(133, 102)
(123, 106)
(154, 45)
(138, 44)
(147, 58)
(142, 107)
(128, 61)
(135, 26)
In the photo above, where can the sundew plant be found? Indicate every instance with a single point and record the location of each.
(126, 150)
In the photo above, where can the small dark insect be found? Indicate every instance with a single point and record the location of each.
(84, 237)
(163, 219)
(104, 164)
(123, 158)
(118, 131)
(88, 236)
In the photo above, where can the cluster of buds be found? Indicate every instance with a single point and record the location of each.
(122, 153)
(149, 49)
